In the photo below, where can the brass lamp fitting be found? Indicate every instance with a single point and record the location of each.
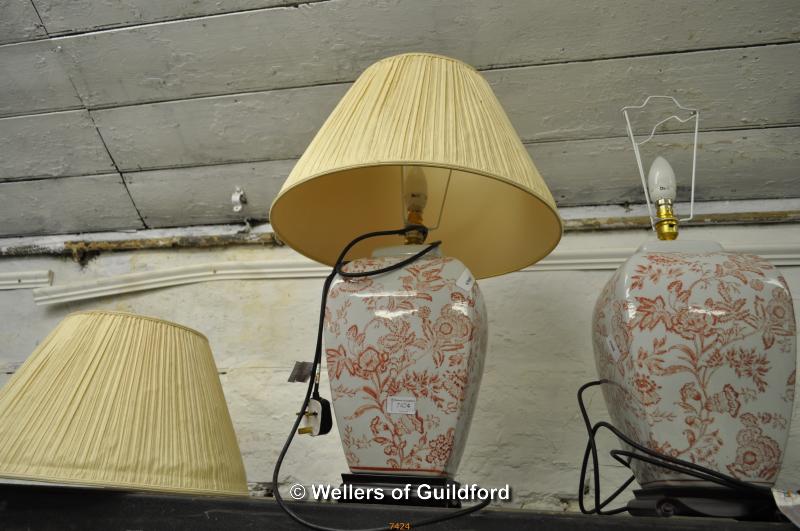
(667, 224)
(414, 237)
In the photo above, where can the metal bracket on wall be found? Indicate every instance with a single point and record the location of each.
(238, 199)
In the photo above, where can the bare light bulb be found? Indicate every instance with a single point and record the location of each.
(423, 193)
(661, 188)
(415, 189)
(415, 199)
(661, 180)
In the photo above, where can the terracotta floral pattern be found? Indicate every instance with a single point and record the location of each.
(414, 333)
(699, 348)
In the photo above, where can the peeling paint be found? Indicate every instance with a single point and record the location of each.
(639, 222)
(80, 250)
(89, 246)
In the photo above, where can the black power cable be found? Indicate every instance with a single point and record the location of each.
(313, 385)
(644, 454)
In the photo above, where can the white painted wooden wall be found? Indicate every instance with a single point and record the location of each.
(125, 114)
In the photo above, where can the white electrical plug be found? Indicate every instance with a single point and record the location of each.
(318, 418)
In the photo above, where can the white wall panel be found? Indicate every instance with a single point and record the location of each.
(733, 88)
(334, 41)
(65, 16)
(19, 22)
(202, 195)
(562, 69)
(235, 128)
(33, 80)
(72, 204)
(747, 164)
(51, 145)
(578, 172)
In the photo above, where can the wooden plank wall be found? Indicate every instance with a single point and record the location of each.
(142, 113)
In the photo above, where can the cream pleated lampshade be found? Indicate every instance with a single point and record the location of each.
(436, 120)
(120, 400)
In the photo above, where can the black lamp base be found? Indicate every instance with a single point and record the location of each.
(394, 489)
(704, 501)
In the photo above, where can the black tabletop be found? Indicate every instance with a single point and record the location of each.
(34, 507)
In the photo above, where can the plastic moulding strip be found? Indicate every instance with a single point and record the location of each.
(567, 260)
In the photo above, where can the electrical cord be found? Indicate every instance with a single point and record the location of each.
(313, 385)
(644, 454)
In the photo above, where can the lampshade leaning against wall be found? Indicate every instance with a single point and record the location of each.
(418, 139)
(112, 399)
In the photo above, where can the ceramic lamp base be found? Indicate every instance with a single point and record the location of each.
(699, 348)
(405, 352)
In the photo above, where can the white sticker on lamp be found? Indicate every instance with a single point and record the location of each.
(465, 281)
(615, 353)
(402, 405)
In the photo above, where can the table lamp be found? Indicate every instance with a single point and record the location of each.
(419, 139)
(120, 401)
(696, 347)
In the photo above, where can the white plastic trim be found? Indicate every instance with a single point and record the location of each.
(575, 260)
(25, 279)
(164, 278)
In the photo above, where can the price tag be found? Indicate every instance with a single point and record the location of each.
(612, 347)
(402, 405)
(465, 281)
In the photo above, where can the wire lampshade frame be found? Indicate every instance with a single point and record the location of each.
(695, 115)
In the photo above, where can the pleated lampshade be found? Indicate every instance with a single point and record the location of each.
(424, 118)
(119, 400)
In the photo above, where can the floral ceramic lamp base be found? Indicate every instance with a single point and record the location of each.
(405, 353)
(700, 348)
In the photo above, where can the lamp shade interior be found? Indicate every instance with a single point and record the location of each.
(491, 224)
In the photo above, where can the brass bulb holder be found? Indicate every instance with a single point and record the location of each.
(667, 223)
(414, 237)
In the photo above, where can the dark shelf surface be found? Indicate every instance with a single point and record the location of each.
(34, 508)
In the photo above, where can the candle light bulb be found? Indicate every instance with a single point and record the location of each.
(662, 188)
(423, 190)
(415, 189)
(415, 198)
(661, 180)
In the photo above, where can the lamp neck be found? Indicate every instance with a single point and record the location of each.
(414, 237)
(666, 222)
